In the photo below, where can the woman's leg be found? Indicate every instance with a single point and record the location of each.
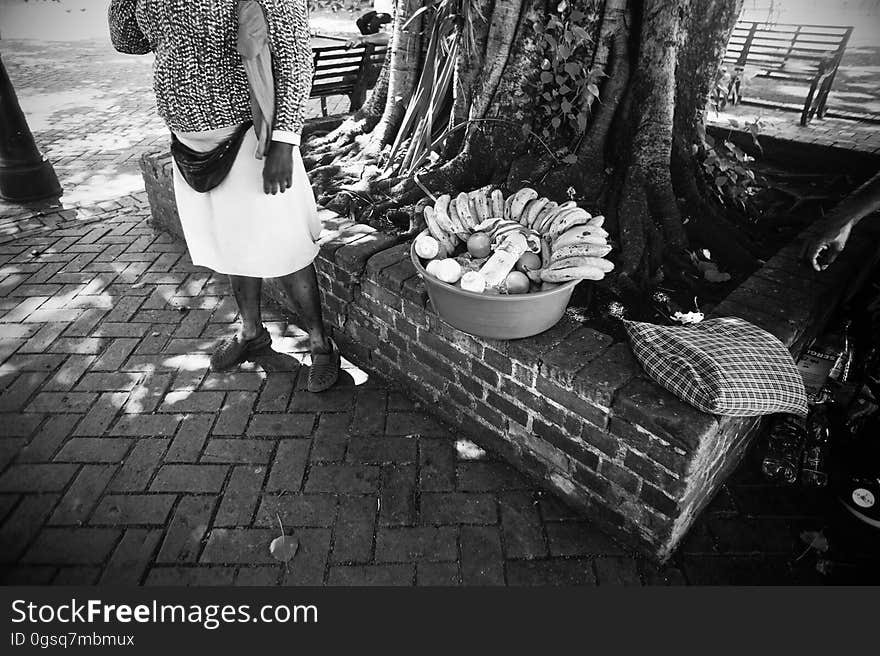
(302, 287)
(247, 296)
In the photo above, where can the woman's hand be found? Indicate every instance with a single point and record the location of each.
(825, 248)
(278, 168)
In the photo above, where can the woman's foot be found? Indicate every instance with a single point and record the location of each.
(324, 371)
(235, 350)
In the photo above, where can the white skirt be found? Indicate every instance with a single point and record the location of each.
(238, 229)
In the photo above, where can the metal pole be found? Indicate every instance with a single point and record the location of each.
(25, 174)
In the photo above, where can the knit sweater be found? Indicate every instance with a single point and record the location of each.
(198, 76)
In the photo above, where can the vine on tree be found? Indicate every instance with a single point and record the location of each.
(726, 167)
(565, 85)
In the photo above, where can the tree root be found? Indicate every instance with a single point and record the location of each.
(344, 135)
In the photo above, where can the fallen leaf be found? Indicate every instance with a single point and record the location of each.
(815, 540)
(716, 276)
(823, 567)
(467, 450)
(284, 548)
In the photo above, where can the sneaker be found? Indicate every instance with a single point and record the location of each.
(861, 496)
(234, 351)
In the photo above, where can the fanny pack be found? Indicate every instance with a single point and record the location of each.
(205, 170)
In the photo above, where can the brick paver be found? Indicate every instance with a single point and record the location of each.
(123, 460)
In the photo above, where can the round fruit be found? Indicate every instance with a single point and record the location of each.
(433, 267)
(517, 282)
(528, 262)
(479, 245)
(449, 271)
(427, 247)
(473, 281)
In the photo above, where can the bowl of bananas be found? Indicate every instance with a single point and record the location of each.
(506, 267)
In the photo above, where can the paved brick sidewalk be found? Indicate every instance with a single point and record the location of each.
(846, 134)
(122, 459)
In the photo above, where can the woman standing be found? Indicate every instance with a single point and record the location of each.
(243, 214)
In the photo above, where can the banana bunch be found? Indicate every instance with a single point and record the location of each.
(454, 219)
(572, 243)
(577, 245)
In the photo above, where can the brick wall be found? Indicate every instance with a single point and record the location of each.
(570, 407)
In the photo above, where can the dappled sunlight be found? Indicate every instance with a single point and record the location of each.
(187, 362)
(358, 375)
(102, 187)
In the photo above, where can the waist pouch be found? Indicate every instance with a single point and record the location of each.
(204, 171)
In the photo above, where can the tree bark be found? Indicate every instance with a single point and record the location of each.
(636, 163)
(403, 70)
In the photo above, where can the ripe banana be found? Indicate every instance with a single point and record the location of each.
(497, 203)
(581, 250)
(577, 235)
(531, 211)
(572, 273)
(549, 208)
(446, 239)
(462, 204)
(507, 206)
(520, 199)
(480, 203)
(452, 212)
(566, 220)
(548, 220)
(589, 262)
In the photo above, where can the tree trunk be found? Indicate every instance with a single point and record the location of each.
(655, 61)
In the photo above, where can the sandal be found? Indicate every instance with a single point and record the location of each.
(234, 351)
(324, 371)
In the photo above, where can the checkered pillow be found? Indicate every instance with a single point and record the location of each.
(721, 366)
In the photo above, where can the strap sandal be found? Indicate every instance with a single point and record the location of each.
(233, 351)
(324, 371)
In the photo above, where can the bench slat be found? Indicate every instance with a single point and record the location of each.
(745, 25)
(834, 45)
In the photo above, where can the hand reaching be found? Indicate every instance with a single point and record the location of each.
(825, 248)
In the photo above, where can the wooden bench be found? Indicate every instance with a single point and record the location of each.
(342, 71)
(789, 52)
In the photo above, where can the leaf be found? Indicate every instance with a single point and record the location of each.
(716, 276)
(546, 77)
(570, 159)
(467, 450)
(284, 548)
(815, 540)
(594, 90)
(823, 566)
(572, 68)
(555, 122)
(580, 33)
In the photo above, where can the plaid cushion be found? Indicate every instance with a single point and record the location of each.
(721, 366)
